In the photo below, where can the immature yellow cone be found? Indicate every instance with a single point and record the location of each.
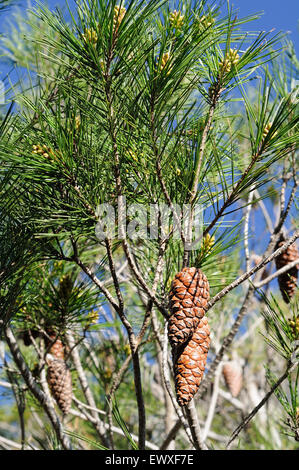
(188, 297)
(60, 383)
(90, 36)
(287, 281)
(176, 20)
(188, 331)
(294, 325)
(43, 150)
(232, 373)
(118, 16)
(164, 63)
(230, 60)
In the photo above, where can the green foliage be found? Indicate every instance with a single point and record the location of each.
(281, 335)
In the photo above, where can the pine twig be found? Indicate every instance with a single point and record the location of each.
(85, 386)
(259, 406)
(252, 271)
(277, 273)
(213, 403)
(192, 418)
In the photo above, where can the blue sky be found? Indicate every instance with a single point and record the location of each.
(281, 15)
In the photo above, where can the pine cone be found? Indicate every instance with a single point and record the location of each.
(232, 373)
(60, 383)
(288, 280)
(56, 345)
(188, 297)
(189, 362)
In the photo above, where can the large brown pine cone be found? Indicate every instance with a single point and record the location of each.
(188, 297)
(189, 362)
(60, 383)
(288, 280)
(232, 373)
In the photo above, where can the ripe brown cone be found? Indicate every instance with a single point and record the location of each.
(189, 362)
(188, 297)
(188, 331)
(60, 383)
(58, 374)
(288, 280)
(232, 373)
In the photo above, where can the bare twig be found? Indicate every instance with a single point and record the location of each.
(85, 386)
(114, 429)
(277, 273)
(259, 406)
(193, 421)
(213, 403)
(97, 282)
(249, 273)
(264, 211)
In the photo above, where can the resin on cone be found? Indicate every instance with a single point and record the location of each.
(288, 280)
(189, 362)
(188, 298)
(60, 383)
(232, 373)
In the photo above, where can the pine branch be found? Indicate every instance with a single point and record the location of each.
(277, 273)
(35, 390)
(252, 271)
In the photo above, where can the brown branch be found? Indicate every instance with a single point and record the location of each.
(126, 323)
(34, 389)
(97, 282)
(248, 274)
(280, 271)
(142, 281)
(192, 418)
(114, 275)
(261, 403)
(171, 435)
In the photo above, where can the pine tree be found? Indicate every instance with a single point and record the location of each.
(143, 161)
